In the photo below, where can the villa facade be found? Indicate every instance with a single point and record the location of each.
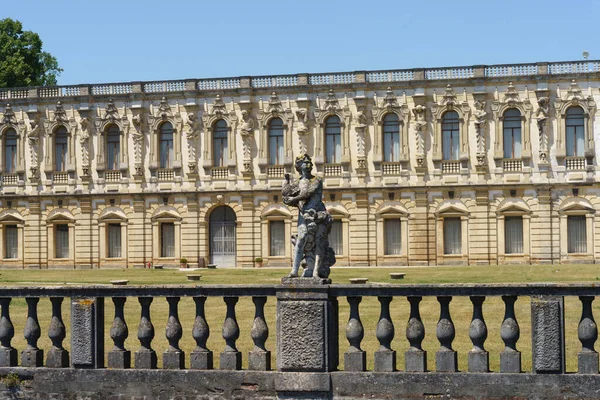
(461, 165)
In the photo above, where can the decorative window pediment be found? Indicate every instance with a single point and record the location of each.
(450, 101)
(576, 206)
(166, 214)
(452, 208)
(112, 214)
(513, 207)
(11, 217)
(387, 210)
(60, 215)
(275, 211)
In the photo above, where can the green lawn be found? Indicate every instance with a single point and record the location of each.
(460, 307)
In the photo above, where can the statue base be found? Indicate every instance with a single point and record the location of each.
(302, 281)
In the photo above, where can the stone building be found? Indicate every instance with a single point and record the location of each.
(461, 165)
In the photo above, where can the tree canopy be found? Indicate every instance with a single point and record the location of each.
(22, 61)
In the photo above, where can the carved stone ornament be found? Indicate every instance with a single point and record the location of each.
(480, 125)
(420, 113)
(542, 120)
(449, 98)
(511, 97)
(390, 101)
(138, 141)
(111, 113)
(164, 109)
(219, 107)
(247, 133)
(360, 128)
(332, 103)
(60, 115)
(33, 136)
(9, 115)
(275, 107)
(84, 138)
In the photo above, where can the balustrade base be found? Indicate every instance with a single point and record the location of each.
(587, 362)
(415, 361)
(32, 358)
(510, 361)
(446, 361)
(355, 361)
(384, 361)
(201, 360)
(479, 361)
(145, 359)
(259, 360)
(173, 360)
(230, 360)
(58, 358)
(8, 357)
(119, 359)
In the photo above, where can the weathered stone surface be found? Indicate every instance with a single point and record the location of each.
(230, 360)
(173, 360)
(587, 363)
(259, 360)
(32, 358)
(355, 361)
(87, 332)
(415, 361)
(119, 359)
(301, 336)
(446, 361)
(547, 324)
(384, 361)
(8, 357)
(57, 358)
(479, 361)
(145, 359)
(201, 360)
(510, 361)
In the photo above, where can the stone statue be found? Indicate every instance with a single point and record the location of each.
(311, 246)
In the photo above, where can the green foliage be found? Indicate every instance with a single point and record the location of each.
(258, 260)
(11, 381)
(183, 260)
(22, 61)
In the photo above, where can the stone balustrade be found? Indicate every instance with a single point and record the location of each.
(319, 79)
(307, 329)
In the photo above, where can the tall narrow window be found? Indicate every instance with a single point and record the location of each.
(11, 241)
(575, 132)
(114, 240)
(450, 136)
(512, 133)
(166, 145)
(393, 243)
(61, 239)
(333, 140)
(391, 138)
(167, 239)
(276, 141)
(10, 151)
(576, 234)
(277, 238)
(220, 143)
(113, 146)
(452, 236)
(336, 237)
(513, 235)
(61, 143)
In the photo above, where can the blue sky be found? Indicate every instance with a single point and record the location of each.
(131, 40)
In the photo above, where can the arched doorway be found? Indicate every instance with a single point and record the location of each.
(222, 236)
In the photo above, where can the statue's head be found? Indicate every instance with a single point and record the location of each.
(302, 159)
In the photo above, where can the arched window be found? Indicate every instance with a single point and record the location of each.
(220, 143)
(166, 145)
(61, 143)
(512, 133)
(391, 138)
(10, 151)
(450, 136)
(575, 132)
(113, 144)
(276, 141)
(333, 140)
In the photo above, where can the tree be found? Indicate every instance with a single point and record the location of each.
(22, 61)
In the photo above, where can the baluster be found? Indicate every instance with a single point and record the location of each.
(145, 357)
(259, 358)
(173, 357)
(510, 357)
(588, 334)
(201, 357)
(32, 356)
(119, 357)
(355, 359)
(415, 358)
(385, 357)
(231, 358)
(8, 354)
(58, 357)
(445, 358)
(478, 356)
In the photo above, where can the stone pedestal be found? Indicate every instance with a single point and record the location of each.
(259, 360)
(446, 361)
(8, 357)
(119, 359)
(510, 361)
(32, 358)
(145, 359)
(479, 361)
(415, 361)
(355, 361)
(57, 358)
(87, 332)
(548, 334)
(173, 360)
(587, 362)
(384, 361)
(307, 331)
(230, 360)
(201, 360)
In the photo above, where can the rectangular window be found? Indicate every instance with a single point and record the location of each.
(513, 235)
(114, 241)
(276, 150)
(11, 241)
(391, 146)
(167, 239)
(577, 234)
(277, 238)
(336, 237)
(10, 156)
(61, 153)
(61, 240)
(575, 139)
(452, 236)
(112, 153)
(334, 149)
(393, 243)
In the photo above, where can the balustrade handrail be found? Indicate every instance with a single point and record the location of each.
(333, 79)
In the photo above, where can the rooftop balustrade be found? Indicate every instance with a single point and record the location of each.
(302, 80)
(307, 325)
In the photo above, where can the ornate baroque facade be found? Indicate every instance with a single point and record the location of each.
(469, 165)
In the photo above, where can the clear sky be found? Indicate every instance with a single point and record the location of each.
(132, 40)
